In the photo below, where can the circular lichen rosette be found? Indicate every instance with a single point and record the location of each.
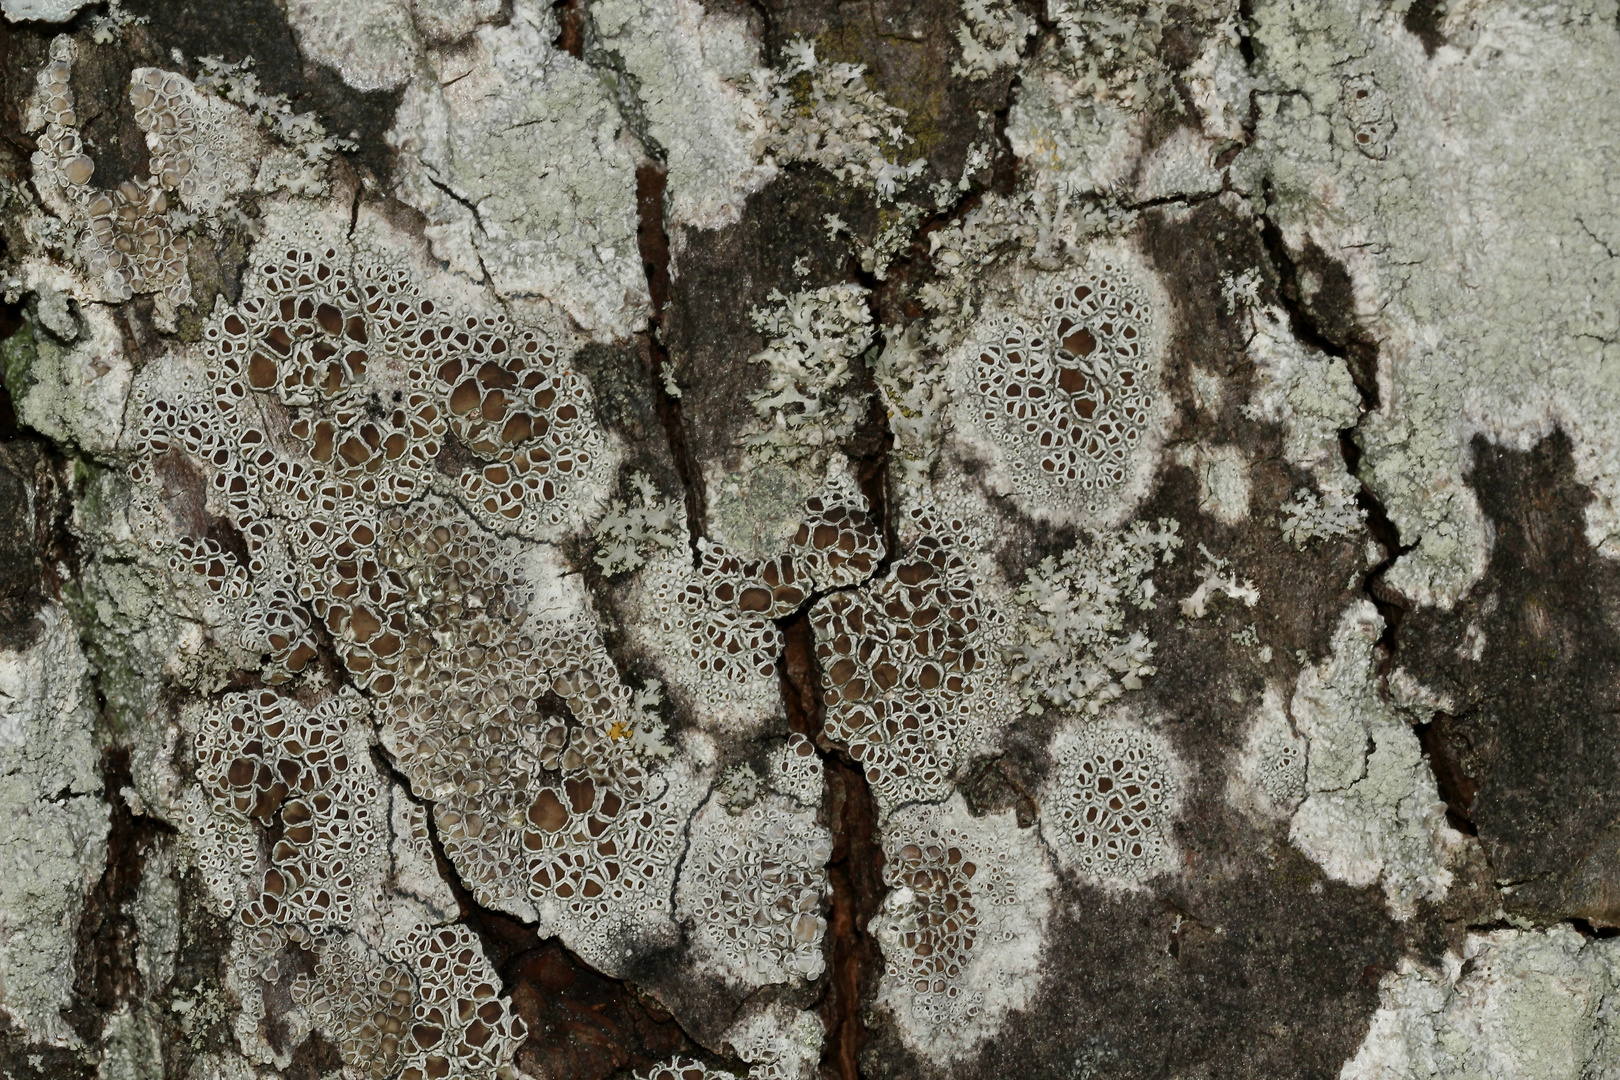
(1057, 389)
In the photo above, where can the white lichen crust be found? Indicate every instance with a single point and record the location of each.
(1372, 812)
(53, 824)
(698, 73)
(1314, 398)
(1268, 775)
(804, 409)
(515, 152)
(911, 669)
(1444, 184)
(826, 114)
(779, 1042)
(1515, 1003)
(680, 1067)
(963, 927)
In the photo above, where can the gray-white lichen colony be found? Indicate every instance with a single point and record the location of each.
(685, 540)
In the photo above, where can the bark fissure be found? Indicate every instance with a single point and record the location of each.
(1360, 354)
(652, 238)
(104, 962)
(1457, 788)
(854, 873)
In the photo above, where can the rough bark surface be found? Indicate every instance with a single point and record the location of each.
(701, 539)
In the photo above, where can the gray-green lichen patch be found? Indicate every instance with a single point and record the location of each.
(1313, 396)
(1371, 811)
(141, 632)
(1471, 195)
(131, 1047)
(157, 919)
(1515, 1003)
(783, 1043)
(53, 824)
(991, 35)
(699, 81)
(1268, 777)
(1088, 366)
(378, 44)
(52, 11)
(66, 368)
(518, 156)
(371, 43)
(809, 407)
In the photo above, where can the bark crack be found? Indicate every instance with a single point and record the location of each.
(653, 240)
(1360, 354)
(854, 873)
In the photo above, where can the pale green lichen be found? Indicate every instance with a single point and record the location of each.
(128, 615)
(1111, 49)
(1372, 813)
(1308, 516)
(520, 160)
(372, 44)
(1478, 221)
(1313, 396)
(634, 528)
(110, 27)
(1515, 1003)
(805, 409)
(53, 824)
(443, 22)
(826, 114)
(72, 391)
(131, 1046)
(1071, 647)
(54, 11)
(697, 75)
(157, 918)
(915, 398)
(299, 165)
(1223, 480)
(992, 35)
(1218, 580)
